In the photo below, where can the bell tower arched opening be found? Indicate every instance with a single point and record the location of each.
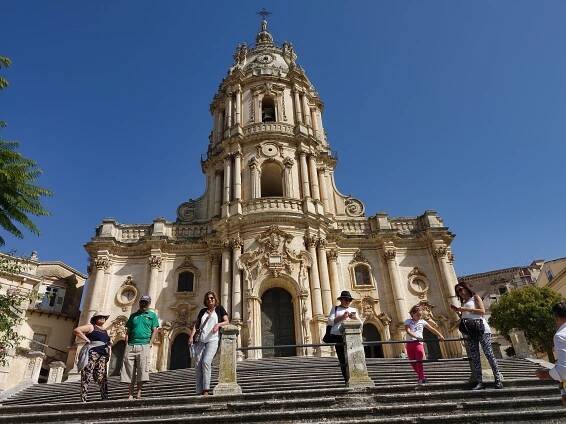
(267, 110)
(271, 180)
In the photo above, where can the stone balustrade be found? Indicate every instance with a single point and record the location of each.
(272, 204)
(354, 227)
(404, 225)
(261, 127)
(134, 233)
(354, 351)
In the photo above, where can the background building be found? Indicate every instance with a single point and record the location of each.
(553, 275)
(271, 233)
(50, 316)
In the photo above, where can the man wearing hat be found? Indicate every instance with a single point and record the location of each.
(337, 316)
(141, 329)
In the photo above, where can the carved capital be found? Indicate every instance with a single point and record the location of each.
(155, 261)
(288, 162)
(253, 163)
(440, 251)
(214, 257)
(310, 241)
(321, 243)
(332, 254)
(237, 242)
(226, 244)
(389, 253)
(451, 257)
(101, 262)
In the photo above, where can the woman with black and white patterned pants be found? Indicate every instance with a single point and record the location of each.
(474, 352)
(473, 311)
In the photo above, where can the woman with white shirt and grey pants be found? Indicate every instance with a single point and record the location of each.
(472, 309)
(208, 323)
(336, 317)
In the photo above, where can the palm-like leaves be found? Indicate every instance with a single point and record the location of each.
(19, 196)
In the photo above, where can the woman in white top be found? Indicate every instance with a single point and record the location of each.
(414, 346)
(208, 323)
(337, 316)
(472, 314)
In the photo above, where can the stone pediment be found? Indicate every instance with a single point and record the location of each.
(274, 257)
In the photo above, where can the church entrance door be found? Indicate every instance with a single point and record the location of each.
(433, 347)
(180, 355)
(117, 357)
(371, 334)
(277, 323)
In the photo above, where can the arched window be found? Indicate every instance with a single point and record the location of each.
(271, 180)
(185, 283)
(267, 110)
(363, 278)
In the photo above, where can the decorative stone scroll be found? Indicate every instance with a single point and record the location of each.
(367, 306)
(354, 207)
(186, 211)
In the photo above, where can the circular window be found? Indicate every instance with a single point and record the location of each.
(126, 295)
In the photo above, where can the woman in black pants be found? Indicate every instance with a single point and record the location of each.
(336, 317)
(477, 332)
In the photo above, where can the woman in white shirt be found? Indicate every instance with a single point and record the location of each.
(208, 323)
(472, 314)
(337, 316)
(414, 346)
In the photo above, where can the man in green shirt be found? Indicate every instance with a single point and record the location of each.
(141, 329)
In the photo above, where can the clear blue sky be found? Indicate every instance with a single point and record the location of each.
(455, 106)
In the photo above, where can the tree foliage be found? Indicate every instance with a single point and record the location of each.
(527, 309)
(13, 302)
(19, 194)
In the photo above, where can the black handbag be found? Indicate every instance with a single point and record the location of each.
(328, 336)
(472, 327)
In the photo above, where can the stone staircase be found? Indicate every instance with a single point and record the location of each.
(304, 390)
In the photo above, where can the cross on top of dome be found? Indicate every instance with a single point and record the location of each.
(264, 38)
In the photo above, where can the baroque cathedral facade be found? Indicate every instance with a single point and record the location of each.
(272, 235)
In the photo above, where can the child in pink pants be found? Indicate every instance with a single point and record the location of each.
(414, 346)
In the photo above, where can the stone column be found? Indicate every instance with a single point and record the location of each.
(442, 256)
(237, 244)
(396, 284)
(335, 287)
(56, 370)
(98, 289)
(310, 243)
(237, 177)
(314, 178)
(164, 354)
(153, 286)
(227, 185)
(217, 193)
(227, 377)
(253, 321)
(355, 356)
(254, 179)
(228, 123)
(297, 106)
(305, 175)
(238, 105)
(225, 285)
(306, 111)
(31, 374)
(320, 127)
(327, 300)
(215, 272)
(288, 178)
(217, 128)
(323, 190)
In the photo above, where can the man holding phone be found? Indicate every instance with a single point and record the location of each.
(337, 316)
